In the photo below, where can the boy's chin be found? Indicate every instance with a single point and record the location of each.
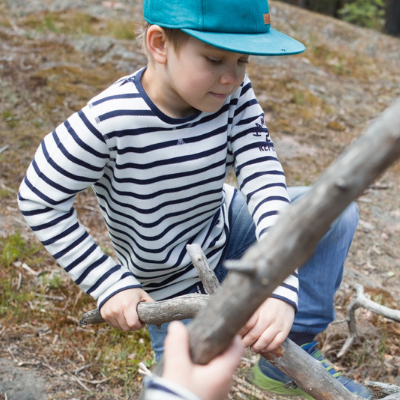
(211, 108)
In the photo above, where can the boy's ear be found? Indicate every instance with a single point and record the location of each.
(157, 44)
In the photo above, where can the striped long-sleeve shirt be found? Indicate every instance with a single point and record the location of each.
(160, 186)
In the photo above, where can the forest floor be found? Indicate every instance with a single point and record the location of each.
(54, 56)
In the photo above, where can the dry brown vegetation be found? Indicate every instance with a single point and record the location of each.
(55, 55)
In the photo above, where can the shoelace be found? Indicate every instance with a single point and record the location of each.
(327, 365)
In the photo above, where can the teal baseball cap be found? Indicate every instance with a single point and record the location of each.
(241, 26)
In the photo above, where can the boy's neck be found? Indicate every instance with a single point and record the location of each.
(152, 83)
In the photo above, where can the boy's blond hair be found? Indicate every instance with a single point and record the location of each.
(175, 36)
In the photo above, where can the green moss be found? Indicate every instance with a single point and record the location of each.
(75, 22)
(15, 248)
(117, 355)
(13, 300)
(10, 119)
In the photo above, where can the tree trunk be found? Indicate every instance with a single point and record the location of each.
(392, 17)
(303, 3)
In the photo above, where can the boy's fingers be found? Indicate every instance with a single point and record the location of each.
(275, 342)
(263, 341)
(132, 321)
(252, 336)
(114, 323)
(249, 325)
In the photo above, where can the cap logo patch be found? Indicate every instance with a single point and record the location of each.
(267, 18)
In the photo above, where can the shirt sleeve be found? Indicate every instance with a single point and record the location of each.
(260, 175)
(160, 389)
(70, 159)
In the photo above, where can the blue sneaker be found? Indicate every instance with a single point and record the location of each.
(269, 378)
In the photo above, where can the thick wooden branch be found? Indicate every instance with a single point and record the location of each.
(360, 300)
(159, 312)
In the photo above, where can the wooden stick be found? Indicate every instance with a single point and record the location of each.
(158, 312)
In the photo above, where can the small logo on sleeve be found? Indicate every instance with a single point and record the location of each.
(262, 131)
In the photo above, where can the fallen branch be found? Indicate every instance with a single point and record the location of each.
(159, 312)
(361, 301)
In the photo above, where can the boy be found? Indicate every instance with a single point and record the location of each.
(156, 147)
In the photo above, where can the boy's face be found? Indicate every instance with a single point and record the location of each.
(201, 77)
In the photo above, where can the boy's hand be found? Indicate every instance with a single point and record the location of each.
(208, 382)
(269, 326)
(120, 311)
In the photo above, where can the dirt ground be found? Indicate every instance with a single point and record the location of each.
(55, 55)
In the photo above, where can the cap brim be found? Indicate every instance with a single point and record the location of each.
(272, 43)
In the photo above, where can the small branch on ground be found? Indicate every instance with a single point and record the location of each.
(4, 148)
(360, 300)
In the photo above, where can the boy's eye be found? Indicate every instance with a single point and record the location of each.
(243, 61)
(212, 60)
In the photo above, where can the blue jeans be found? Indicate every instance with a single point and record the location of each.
(319, 277)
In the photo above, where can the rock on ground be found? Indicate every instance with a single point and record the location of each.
(20, 383)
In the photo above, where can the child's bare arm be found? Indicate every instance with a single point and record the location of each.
(269, 326)
(120, 311)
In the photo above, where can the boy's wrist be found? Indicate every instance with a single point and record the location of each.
(118, 287)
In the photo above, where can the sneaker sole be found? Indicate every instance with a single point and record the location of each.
(274, 386)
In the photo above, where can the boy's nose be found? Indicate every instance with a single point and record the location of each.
(230, 77)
